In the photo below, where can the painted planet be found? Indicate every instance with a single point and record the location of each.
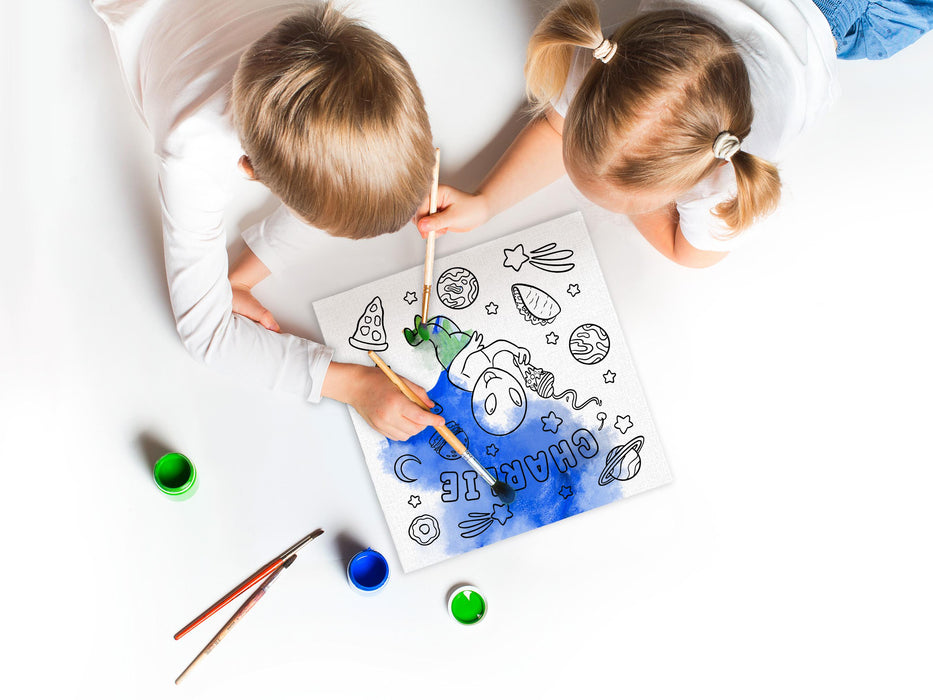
(457, 287)
(622, 462)
(589, 344)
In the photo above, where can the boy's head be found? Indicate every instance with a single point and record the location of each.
(332, 121)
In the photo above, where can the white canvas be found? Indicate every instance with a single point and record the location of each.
(526, 360)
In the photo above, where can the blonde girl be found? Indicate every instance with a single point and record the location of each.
(677, 117)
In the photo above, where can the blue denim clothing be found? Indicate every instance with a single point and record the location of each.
(874, 30)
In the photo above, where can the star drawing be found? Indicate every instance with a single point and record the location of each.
(515, 257)
(414, 501)
(411, 297)
(500, 513)
(566, 491)
(609, 377)
(551, 422)
(623, 423)
(573, 290)
(492, 308)
(552, 338)
(492, 450)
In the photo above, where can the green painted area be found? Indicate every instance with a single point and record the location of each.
(468, 607)
(441, 332)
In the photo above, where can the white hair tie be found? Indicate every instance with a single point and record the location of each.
(605, 51)
(726, 145)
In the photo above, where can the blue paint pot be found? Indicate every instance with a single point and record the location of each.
(368, 571)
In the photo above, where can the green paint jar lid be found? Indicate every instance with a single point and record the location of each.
(175, 476)
(467, 605)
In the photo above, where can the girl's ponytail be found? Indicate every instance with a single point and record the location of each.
(550, 50)
(653, 117)
(759, 189)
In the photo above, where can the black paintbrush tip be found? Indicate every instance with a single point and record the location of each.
(505, 492)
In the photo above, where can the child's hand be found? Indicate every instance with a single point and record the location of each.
(245, 304)
(379, 401)
(456, 211)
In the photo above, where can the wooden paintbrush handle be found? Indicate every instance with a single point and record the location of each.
(248, 583)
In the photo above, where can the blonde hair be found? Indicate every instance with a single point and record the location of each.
(333, 122)
(648, 118)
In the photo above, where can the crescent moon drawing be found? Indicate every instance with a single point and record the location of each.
(400, 465)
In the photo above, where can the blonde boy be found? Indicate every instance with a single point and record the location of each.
(320, 109)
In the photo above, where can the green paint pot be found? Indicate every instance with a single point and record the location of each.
(467, 605)
(176, 476)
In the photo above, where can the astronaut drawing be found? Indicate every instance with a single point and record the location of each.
(496, 374)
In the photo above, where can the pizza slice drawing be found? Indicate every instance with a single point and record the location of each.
(370, 331)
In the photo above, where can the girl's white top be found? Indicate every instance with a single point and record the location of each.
(178, 58)
(790, 55)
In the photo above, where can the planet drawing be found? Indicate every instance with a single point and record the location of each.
(589, 344)
(622, 462)
(457, 287)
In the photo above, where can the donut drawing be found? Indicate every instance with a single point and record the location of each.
(424, 529)
(589, 344)
(457, 288)
(535, 305)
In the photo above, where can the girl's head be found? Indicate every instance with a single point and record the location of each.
(641, 128)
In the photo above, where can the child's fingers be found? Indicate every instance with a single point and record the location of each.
(392, 433)
(246, 305)
(400, 426)
(419, 392)
(436, 222)
(419, 417)
(423, 209)
(268, 320)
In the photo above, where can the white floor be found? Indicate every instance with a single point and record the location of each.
(791, 385)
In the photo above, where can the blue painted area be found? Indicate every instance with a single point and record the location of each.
(542, 466)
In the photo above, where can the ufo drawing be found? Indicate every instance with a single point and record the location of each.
(439, 444)
(622, 462)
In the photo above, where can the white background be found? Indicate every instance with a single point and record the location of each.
(791, 386)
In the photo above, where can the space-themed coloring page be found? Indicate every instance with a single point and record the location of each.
(524, 357)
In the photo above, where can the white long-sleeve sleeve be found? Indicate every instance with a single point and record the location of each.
(202, 301)
(178, 60)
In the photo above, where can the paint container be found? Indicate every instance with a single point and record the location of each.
(176, 476)
(467, 605)
(368, 571)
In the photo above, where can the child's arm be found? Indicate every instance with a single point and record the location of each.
(661, 228)
(378, 400)
(533, 161)
(247, 272)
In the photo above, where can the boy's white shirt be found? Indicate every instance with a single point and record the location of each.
(178, 58)
(790, 55)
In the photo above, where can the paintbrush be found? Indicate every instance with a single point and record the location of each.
(432, 237)
(501, 489)
(269, 568)
(237, 616)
